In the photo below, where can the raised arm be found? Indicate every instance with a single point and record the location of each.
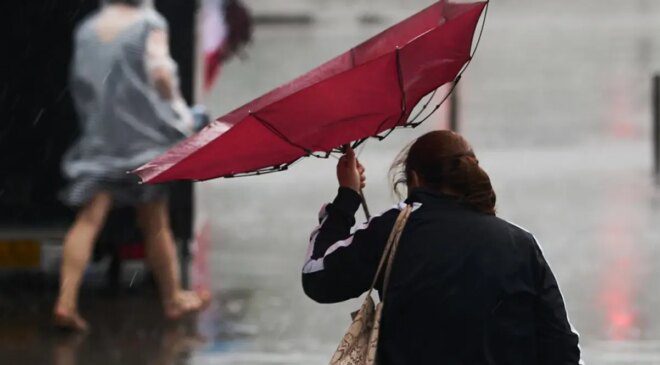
(341, 265)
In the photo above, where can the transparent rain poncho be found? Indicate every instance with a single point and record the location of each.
(125, 89)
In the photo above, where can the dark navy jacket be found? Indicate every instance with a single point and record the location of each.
(466, 289)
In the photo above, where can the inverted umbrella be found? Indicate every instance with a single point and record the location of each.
(365, 92)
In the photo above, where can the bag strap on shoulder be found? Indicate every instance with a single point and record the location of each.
(390, 250)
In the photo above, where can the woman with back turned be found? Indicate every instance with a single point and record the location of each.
(466, 286)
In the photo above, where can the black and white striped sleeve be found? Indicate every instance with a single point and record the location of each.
(341, 265)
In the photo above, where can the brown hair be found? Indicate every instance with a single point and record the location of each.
(444, 160)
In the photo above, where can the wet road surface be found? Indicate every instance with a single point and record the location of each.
(556, 104)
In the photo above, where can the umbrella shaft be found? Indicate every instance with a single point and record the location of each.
(364, 205)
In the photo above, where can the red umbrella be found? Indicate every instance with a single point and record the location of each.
(361, 93)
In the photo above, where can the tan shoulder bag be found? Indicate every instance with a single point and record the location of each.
(360, 343)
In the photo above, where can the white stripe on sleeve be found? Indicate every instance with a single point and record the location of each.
(312, 266)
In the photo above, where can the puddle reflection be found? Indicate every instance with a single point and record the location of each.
(127, 328)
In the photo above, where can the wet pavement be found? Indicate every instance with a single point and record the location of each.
(556, 104)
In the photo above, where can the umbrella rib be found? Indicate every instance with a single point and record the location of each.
(403, 97)
(424, 106)
(412, 122)
(359, 142)
(437, 106)
(267, 170)
(399, 74)
(281, 135)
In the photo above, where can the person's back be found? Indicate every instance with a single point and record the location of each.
(466, 287)
(124, 119)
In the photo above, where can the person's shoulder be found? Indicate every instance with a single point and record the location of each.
(154, 19)
(517, 232)
(394, 210)
(84, 26)
(387, 215)
(385, 218)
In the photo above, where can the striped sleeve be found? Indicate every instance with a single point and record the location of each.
(339, 264)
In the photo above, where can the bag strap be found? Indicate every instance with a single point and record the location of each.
(390, 250)
(395, 245)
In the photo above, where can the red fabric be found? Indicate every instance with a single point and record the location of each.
(360, 93)
(212, 67)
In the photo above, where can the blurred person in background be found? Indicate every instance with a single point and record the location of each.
(226, 30)
(125, 88)
(466, 287)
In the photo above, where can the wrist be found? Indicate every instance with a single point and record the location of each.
(347, 200)
(350, 187)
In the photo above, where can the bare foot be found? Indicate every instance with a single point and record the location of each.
(186, 302)
(69, 320)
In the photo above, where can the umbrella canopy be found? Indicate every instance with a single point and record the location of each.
(359, 94)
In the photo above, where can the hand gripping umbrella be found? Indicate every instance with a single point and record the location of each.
(365, 92)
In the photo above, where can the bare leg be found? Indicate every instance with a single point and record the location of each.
(78, 245)
(163, 259)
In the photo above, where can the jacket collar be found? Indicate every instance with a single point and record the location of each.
(431, 197)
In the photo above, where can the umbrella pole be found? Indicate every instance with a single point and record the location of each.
(364, 205)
